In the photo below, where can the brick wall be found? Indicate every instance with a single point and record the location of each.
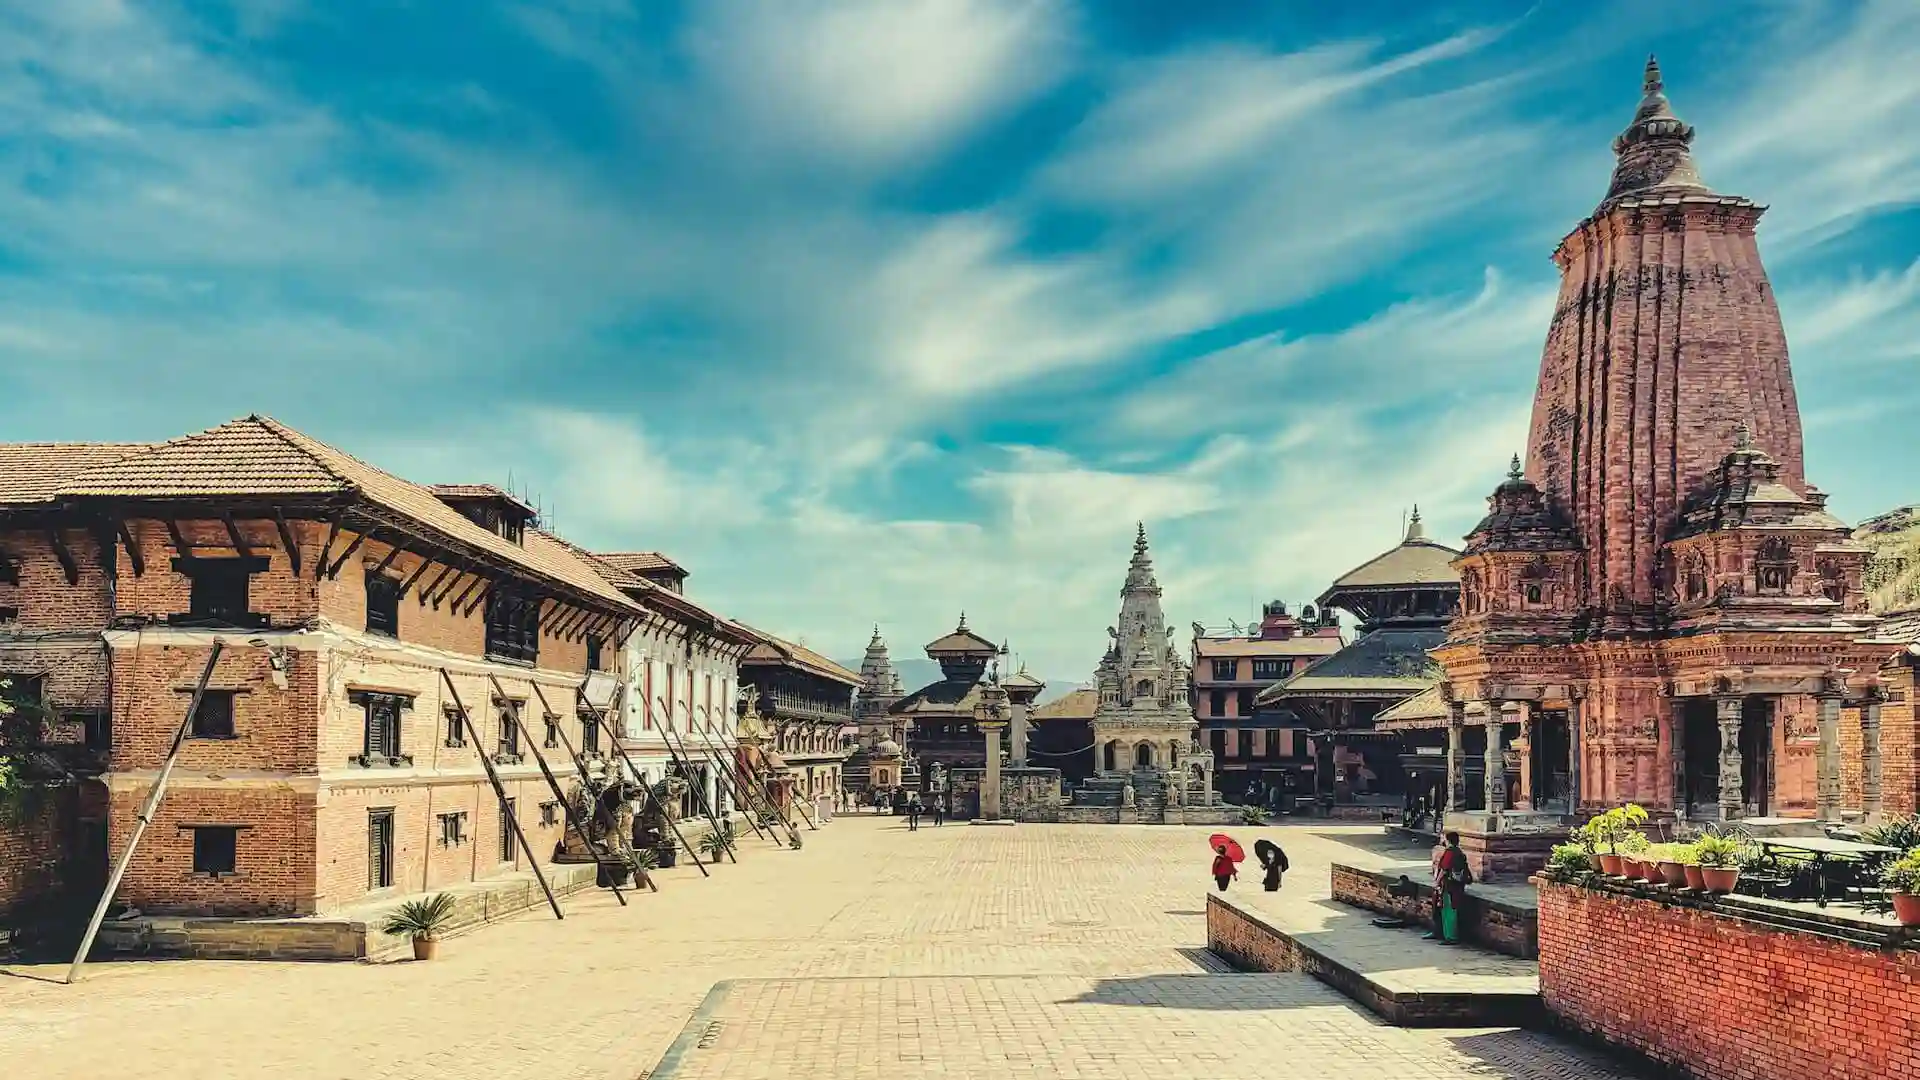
(272, 727)
(34, 850)
(1899, 747)
(1501, 927)
(1720, 996)
(1247, 943)
(278, 593)
(274, 854)
(43, 598)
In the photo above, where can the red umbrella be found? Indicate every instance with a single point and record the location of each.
(1222, 840)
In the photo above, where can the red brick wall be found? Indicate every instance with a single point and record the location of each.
(33, 851)
(1899, 747)
(273, 728)
(1242, 941)
(421, 862)
(1719, 996)
(274, 859)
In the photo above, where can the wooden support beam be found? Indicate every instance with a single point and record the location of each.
(180, 545)
(134, 556)
(386, 562)
(320, 564)
(407, 585)
(474, 604)
(464, 593)
(105, 548)
(65, 555)
(358, 539)
(453, 583)
(286, 540)
(239, 542)
(568, 621)
(427, 589)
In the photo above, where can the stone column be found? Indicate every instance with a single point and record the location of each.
(1733, 800)
(1574, 735)
(1019, 734)
(1456, 759)
(990, 783)
(1870, 759)
(1496, 762)
(1827, 759)
(1677, 751)
(1529, 783)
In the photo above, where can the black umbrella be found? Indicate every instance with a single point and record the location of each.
(1267, 852)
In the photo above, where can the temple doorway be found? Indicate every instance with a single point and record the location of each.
(1109, 758)
(1143, 756)
(1756, 755)
(1699, 757)
(1549, 752)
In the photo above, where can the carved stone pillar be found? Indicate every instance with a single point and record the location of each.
(1677, 751)
(1575, 723)
(1870, 758)
(990, 783)
(1496, 762)
(1733, 799)
(1456, 756)
(1827, 759)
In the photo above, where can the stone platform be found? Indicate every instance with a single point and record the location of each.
(1407, 981)
(1503, 918)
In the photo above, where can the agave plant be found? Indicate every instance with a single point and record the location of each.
(646, 858)
(1901, 832)
(419, 919)
(1252, 815)
(713, 845)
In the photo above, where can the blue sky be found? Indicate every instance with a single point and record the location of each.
(875, 310)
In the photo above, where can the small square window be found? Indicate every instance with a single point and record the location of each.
(214, 718)
(96, 729)
(219, 594)
(549, 813)
(456, 729)
(453, 829)
(1224, 670)
(215, 849)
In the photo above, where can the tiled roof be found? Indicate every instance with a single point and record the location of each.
(1424, 709)
(33, 472)
(1417, 561)
(777, 650)
(1210, 648)
(650, 595)
(640, 562)
(962, 640)
(1388, 662)
(478, 491)
(259, 456)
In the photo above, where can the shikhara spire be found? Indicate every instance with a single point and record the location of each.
(1654, 150)
(1140, 570)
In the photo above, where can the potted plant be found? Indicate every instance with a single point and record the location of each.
(1719, 862)
(1582, 838)
(422, 920)
(713, 846)
(1633, 846)
(1569, 862)
(1902, 878)
(1672, 861)
(1690, 862)
(1610, 831)
(1252, 815)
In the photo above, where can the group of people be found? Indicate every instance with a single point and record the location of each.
(1451, 876)
(908, 805)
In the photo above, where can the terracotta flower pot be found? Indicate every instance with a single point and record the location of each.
(1694, 880)
(1596, 862)
(1650, 872)
(1675, 874)
(1630, 867)
(1906, 908)
(1720, 879)
(424, 948)
(1610, 864)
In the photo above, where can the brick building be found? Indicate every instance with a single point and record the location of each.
(1659, 590)
(1230, 670)
(326, 764)
(806, 700)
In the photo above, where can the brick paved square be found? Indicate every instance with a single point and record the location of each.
(1069, 951)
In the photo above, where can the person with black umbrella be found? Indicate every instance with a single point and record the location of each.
(1274, 859)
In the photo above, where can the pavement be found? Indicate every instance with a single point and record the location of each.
(1065, 951)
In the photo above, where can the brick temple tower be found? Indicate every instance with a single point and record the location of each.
(1657, 607)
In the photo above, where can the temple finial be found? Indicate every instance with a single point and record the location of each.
(1652, 85)
(1415, 531)
(963, 621)
(1513, 468)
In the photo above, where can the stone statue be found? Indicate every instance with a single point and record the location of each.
(1174, 785)
(1126, 796)
(938, 777)
(605, 806)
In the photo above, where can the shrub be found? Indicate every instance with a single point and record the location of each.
(1569, 860)
(1634, 844)
(421, 918)
(1903, 874)
(1901, 832)
(1612, 828)
(713, 845)
(1252, 815)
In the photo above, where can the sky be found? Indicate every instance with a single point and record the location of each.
(874, 311)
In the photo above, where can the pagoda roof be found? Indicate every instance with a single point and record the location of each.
(773, 650)
(946, 697)
(1388, 662)
(1415, 561)
(1079, 704)
(962, 642)
(1423, 710)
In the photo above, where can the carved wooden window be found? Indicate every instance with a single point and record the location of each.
(1773, 566)
(380, 849)
(1833, 581)
(380, 742)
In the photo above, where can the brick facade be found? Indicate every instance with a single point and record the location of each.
(1719, 996)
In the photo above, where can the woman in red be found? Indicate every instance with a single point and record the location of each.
(1223, 869)
(1450, 880)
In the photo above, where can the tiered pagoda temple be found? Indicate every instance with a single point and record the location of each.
(1658, 589)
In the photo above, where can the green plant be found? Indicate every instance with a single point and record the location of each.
(1612, 827)
(1252, 815)
(1901, 832)
(1903, 874)
(1686, 854)
(646, 858)
(1583, 837)
(713, 845)
(424, 918)
(1634, 844)
(1569, 860)
(1718, 852)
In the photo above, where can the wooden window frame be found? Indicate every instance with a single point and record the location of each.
(232, 835)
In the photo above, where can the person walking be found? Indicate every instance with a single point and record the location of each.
(1274, 859)
(939, 811)
(1451, 877)
(1223, 869)
(913, 814)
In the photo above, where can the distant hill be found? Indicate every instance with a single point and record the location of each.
(1893, 574)
(916, 672)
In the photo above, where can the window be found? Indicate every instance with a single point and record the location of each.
(553, 733)
(215, 848)
(214, 718)
(509, 845)
(1271, 668)
(453, 829)
(1217, 702)
(1225, 670)
(380, 744)
(1257, 743)
(456, 730)
(1246, 703)
(9, 570)
(589, 735)
(25, 694)
(219, 590)
(509, 749)
(549, 814)
(380, 849)
(594, 648)
(96, 729)
(383, 605)
(513, 627)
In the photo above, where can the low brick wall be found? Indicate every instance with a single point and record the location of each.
(1503, 927)
(1249, 944)
(1707, 989)
(1114, 815)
